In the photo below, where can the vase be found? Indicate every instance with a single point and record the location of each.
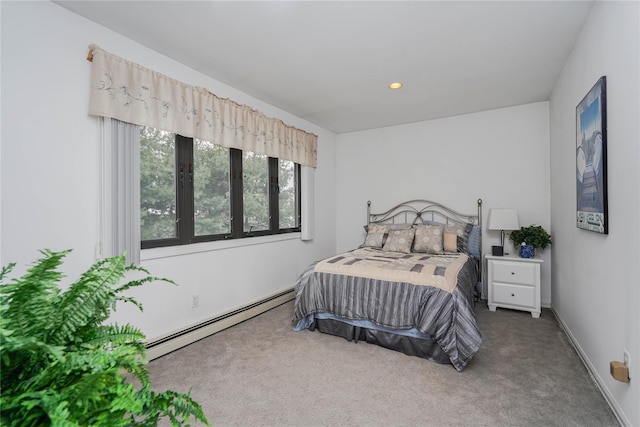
(527, 251)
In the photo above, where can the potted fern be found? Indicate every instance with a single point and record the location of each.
(61, 365)
(527, 239)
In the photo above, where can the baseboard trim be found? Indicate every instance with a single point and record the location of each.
(597, 379)
(176, 340)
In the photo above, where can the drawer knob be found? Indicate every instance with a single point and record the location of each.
(513, 272)
(513, 295)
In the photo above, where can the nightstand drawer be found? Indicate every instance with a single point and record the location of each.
(514, 295)
(513, 272)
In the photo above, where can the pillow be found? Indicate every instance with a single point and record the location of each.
(375, 240)
(463, 241)
(378, 228)
(461, 232)
(377, 234)
(428, 239)
(399, 240)
(473, 245)
(450, 242)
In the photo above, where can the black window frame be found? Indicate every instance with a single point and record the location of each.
(185, 200)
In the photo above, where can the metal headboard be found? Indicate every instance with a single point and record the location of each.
(421, 211)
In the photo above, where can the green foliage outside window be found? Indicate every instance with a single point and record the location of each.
(211, 188)
(198, 174)
(255, 186)
(287, 205)
(157, 184)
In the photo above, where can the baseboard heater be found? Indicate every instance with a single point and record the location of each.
(191, 334)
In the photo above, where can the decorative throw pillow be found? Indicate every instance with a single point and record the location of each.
(428, 239)
(378, 228)
(450, 242)
(461, 231)
(399, 240)
(375, 240)
(383, 228)
(473, 245)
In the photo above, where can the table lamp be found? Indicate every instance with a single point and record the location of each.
(503, 220)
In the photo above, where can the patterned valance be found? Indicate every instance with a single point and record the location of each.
(131, 93)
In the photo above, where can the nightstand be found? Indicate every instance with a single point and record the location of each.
(514, 282)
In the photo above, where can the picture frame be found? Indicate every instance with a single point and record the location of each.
(591, 160)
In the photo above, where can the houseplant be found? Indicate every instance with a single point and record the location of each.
(61, 365)
(527, 239)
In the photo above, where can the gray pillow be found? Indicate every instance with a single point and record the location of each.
(375, 240)
(429, 239)
(399, 240)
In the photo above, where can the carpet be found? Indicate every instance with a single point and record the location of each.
(261, 373)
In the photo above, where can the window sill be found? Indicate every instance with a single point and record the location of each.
(172, 251)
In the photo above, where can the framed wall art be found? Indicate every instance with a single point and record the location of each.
(591, 160)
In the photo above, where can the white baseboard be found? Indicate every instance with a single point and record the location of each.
(617, 411)
(164, 345)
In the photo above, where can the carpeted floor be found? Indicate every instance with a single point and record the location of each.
(261, 373)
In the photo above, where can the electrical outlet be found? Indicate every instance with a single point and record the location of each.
(195, 301)
(627, 362)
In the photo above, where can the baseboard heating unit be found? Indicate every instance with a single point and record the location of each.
(171, 342)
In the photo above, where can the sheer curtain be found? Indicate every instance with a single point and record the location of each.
(121, 189)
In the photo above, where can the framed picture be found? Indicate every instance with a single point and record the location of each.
(591, 160)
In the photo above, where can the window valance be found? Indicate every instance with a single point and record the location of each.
(131, 93)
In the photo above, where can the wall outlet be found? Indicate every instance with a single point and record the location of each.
(627, 361)
(195, 301)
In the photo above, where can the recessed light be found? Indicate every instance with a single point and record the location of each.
(395, 85)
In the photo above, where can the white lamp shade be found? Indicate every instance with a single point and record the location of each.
(503, 219)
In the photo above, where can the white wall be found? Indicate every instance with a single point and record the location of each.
(500, 156)
(50, 173)
(50, 180)
(596, 278)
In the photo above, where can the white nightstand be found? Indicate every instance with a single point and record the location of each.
(514, 283)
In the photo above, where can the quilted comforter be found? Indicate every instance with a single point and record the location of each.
(431, 293)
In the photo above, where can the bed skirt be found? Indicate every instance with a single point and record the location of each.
(421, 347)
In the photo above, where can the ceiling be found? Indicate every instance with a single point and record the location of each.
(330, 62)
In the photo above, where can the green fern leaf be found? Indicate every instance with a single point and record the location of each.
(29, 299)
(61, 365)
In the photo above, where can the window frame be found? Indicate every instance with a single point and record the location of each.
(185, 229)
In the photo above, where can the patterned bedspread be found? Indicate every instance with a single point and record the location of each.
(432, 293)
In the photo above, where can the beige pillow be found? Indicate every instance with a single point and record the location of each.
(429, 239)
(450, 242)
(461, 231)
(399, 240)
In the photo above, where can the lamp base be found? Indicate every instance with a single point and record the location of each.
(497, 250)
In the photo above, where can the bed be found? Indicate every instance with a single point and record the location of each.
(411, 286)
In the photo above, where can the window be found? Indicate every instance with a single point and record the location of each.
(195, 191)
(157, 185)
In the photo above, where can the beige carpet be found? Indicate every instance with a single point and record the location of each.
(261, 373)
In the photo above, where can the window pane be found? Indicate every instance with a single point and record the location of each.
(255, 187)
(157, 184)
(211, 189)
(287, 198)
